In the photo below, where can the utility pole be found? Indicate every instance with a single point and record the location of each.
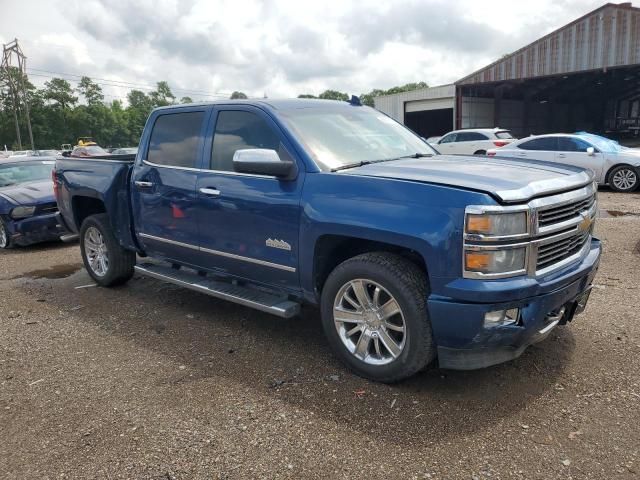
(17, 87)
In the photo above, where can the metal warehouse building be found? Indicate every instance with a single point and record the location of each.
(583, 76)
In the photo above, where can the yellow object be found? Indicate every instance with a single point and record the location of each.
(479, 223)
(477, 261)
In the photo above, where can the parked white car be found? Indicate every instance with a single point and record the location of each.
(613, 164)
(473, 141)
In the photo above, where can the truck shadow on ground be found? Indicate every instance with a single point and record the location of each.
(291, 361)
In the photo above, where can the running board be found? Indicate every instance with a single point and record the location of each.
(266, 302)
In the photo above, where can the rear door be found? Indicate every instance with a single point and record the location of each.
(248, 224)
(164, 184)
(573, 151)
(539, 148)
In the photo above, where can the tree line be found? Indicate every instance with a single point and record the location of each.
(61, 113)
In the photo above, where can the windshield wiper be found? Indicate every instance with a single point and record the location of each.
(369, 162)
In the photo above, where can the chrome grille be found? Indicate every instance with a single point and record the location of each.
(559, 250)
(562, 213)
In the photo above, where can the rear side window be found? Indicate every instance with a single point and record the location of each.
(547, 144)
(504, 134)
(568, 144)
(470, 137)
(175, 139)
(236, 130)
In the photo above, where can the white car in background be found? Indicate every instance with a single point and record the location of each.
(475, 141)
(613, 164)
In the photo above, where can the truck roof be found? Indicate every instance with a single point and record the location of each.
(275, 104)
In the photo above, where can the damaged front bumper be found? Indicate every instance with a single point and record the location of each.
(474, 345)
(40, 228)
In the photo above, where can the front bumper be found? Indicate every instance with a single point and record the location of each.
(41, 228)
(463, 341)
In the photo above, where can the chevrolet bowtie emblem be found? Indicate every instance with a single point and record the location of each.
(585, 225)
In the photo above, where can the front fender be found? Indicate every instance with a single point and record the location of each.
(422, 217)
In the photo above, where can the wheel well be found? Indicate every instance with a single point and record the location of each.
(480, 152)
(332, 250)
(606, 178)
(84, 207)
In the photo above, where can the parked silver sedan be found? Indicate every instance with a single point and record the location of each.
(613, 164)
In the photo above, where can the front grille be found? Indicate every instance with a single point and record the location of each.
(561, 213)
(559, 250)
(46, 208)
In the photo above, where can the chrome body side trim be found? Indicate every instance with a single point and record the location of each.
(264, 263)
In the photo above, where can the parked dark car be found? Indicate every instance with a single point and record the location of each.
(27, 204)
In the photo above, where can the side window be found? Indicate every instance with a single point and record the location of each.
(545, 144)
(175, 138)
(448, 138)
(236, 130)
(567, 144)
(475, 136)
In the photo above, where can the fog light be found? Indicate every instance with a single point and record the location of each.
(499, 318)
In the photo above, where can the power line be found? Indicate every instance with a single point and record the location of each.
(126, 84)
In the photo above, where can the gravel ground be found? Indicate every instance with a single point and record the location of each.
(152, 381)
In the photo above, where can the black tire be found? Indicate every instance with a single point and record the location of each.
(5, 239)
(624, 186)
(408, 285)
(480, 152)
(121, 261)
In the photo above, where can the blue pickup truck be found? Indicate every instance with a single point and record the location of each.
(411, 256)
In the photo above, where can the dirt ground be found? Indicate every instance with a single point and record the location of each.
(152, 381)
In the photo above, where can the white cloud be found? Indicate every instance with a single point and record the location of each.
(281, 47)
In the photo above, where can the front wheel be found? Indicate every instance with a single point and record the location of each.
(624, 179)
(5, 238)
(375, 316)
(105, 260)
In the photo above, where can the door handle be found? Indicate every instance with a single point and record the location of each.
(143, 184)
(211, 192)
(562, 155)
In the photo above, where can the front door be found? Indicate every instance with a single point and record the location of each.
(248, 224)
(573, 151)
(164, 186)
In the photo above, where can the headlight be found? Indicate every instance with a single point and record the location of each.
(22, 212)
(496, 224)
(496, 262)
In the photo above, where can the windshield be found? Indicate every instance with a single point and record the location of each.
(23, 172)
(337, 136)
(603, 144)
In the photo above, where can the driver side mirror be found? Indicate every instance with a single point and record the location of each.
(591, 151)
(263, 161)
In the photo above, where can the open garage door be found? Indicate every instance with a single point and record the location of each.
(429, 117)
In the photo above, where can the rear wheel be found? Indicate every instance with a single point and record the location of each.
(623, 179)
(375, 317)
(105, 260)
(5, 239)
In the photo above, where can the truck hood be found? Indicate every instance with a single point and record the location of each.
(32, 193)
(509, 180)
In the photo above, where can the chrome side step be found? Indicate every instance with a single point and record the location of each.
(265, 302)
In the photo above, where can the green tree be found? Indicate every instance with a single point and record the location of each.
(186, 100)
(59, 91)
(237, 96)
(306, 95)
(162, 95)
(333, 95)
(92, 92)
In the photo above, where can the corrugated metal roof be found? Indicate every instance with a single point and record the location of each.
(605, 38)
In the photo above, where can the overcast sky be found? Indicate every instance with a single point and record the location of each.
(281, 48)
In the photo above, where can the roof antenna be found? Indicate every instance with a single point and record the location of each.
(355, 101)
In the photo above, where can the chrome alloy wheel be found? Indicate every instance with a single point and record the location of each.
(369, 322)
(95, 250)
(4, 236)
(624, 179)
